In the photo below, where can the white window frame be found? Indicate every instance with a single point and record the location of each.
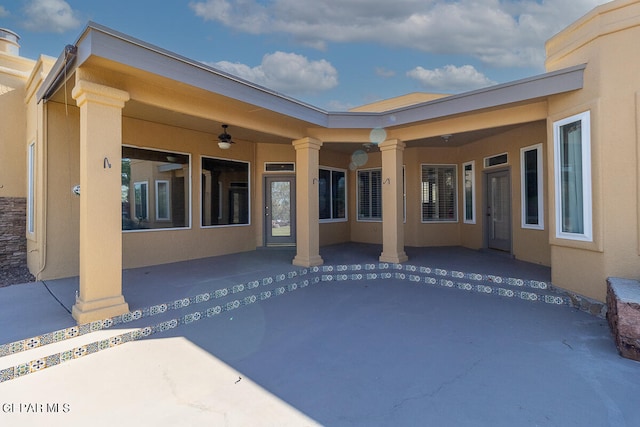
(523, 187)
(346, 197)
(587, 234)
(486, 160)
(370, 218)
(168, 201)
(31, 188)
(473, 192)
(455, 197)
(135, 205)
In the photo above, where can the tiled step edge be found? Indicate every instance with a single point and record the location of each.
(481, 283)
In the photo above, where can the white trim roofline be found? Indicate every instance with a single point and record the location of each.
(101, 41)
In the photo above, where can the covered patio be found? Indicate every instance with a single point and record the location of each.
(390, 347)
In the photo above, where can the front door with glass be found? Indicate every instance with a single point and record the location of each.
(279, 211)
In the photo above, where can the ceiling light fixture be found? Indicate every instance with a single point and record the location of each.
(224, 139)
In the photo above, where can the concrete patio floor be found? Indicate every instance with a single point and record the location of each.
(336, 352)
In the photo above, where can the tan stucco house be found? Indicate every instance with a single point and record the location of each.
(111, 152)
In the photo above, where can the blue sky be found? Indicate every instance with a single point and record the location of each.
(334, 54)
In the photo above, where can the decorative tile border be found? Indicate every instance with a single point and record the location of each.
(473, 282)
(374, 271)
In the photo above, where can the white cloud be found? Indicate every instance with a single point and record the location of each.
(3, 12)
(383, 72)
(50, 16)
(289, 73)
(498, 32)
(450, 79)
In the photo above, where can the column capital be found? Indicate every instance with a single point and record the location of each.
(308, 143)
(86, 91)
(392, 144)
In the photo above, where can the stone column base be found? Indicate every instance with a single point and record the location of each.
(394, 258)
(90, 311)
(307, 261)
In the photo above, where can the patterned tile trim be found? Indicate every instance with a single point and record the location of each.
(486, 284)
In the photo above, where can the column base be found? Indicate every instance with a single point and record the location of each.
(105, 308)
(308, 261)
(394, 258)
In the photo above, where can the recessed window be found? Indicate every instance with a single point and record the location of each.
(162, 200)
(438, 193)
(531, 187)
(572, 149)
(141, 197)
(469, 193)
(370, 195)
(279, 167)
(332, 186)
(500, 159)
(165, 206)
(225, 192)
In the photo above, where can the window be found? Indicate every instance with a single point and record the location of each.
(166, 207)
(31, 190)
(500, 159)
(162, 200)
(370, 195)
(279, 167)
(531, 186)
(469, 193)
(332, 194)
(572, 150)
(225, 192)
(439, 193)
(141, 207)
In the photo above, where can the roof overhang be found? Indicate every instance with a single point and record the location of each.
(100, 41)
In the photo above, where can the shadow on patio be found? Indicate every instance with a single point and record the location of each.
(383, 350)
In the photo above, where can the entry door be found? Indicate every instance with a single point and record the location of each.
(499, 211)
(280, 210)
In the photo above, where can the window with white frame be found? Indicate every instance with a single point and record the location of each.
(469, 195)
(572, 164)
(439, 198)
(167, 203)
(162, 200)
(31, 187)
(531, 181)
(332, 194)
(141, 197)
(370, 195)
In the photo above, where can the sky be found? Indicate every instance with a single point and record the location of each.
(333, 54)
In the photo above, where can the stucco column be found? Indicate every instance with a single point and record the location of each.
(392, 202)
(307, 208)
(100, 294)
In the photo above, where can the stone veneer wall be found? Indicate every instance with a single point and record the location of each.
(13, 242)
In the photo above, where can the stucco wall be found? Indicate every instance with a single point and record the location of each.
(142, 248)
(528, 245)
(333, 232)
(62, 206)
(13, 147)
(363, 231)
(606, 40)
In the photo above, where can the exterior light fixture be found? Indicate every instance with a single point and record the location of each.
(446, 138)
(224, 139)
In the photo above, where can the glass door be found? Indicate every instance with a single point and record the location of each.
(499, 211)
(279, 211)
